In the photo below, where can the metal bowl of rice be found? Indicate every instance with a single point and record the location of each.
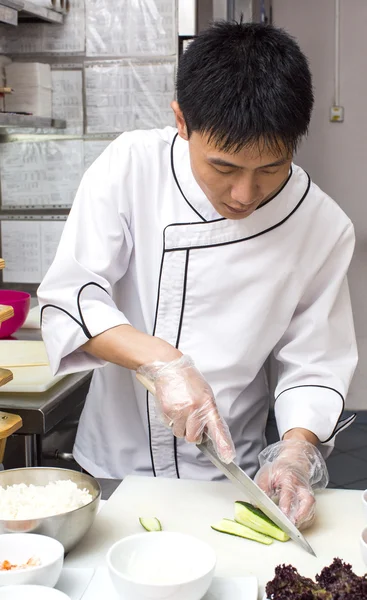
(60, 503)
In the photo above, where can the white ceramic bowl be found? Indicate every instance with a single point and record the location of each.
(363, 545)
(31, 592)
(20, 547)
(161, 564)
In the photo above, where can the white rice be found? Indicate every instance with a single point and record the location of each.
(21, 501)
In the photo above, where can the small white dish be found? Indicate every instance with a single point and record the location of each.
(73, 582)
(18, 548)
(31, 592)
(222, 588)
(162, 564)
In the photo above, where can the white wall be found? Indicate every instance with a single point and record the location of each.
(335, 154)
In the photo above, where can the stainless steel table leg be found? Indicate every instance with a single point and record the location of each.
(30, 450)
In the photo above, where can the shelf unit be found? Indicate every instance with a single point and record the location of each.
(13, 12)
(34, 122)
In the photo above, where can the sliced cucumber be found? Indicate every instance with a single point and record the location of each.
(252, 517)
(234, 528)
(151, 523)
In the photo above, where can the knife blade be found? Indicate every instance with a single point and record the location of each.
(255, 494)
(244, 483)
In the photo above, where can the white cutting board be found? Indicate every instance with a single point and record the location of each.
(36, 376)
(192, 506)
(16, 353)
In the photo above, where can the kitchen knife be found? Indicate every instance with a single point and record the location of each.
(248, 487)
(255, 494)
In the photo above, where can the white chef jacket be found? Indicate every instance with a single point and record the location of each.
(143, 245)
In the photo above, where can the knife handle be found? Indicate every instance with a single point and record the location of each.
(149, 385)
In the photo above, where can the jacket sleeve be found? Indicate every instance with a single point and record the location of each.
(317, 355)
(75, 296)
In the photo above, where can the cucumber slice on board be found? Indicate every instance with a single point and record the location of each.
(234, 528)
(248, 515)
(150, 523)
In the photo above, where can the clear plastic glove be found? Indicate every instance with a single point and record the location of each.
(185, 402)
(289, 473)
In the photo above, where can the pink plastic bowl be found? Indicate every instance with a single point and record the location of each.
(20, 301)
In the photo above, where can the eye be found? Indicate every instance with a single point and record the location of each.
(224, 172)
(269, 172)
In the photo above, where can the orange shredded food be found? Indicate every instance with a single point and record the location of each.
(31, 562)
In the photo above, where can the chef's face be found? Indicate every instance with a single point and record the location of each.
(235, 183)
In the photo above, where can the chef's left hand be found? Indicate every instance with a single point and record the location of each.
(290, 471)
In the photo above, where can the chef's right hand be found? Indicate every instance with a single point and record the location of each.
(186, 403)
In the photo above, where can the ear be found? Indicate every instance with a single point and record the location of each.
(180, 120)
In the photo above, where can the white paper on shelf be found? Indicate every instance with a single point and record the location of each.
(68, 37)
(153, 91)
(50, 237)
(37, 38)
(28, 74)
(129, 95)
(92, 150)
(24, 39)
(38, 102)
(67, 99)
(140, 28)
(21, 248)
(40, 174)
(29, 248)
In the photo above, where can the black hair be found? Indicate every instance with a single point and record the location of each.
(244, 84)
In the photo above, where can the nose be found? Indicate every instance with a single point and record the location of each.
(244, 190)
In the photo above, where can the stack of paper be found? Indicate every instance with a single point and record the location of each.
(32, 86)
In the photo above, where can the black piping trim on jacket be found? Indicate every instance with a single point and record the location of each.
(245, 239)
(178, 342)
(159, 289)
(345, 423)
(221, 218)
(279, 191)
(154, 329)
(81, 323)
(185, 280)
(325, 387)
(176, 346)
(177, 182)
(150, 437)
(153, 333)
(183, 299)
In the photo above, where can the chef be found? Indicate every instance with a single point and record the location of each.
(191, 255)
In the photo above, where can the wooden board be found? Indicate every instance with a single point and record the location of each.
(6, 312)
(5, 376)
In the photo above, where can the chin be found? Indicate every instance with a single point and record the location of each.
(233, 217)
